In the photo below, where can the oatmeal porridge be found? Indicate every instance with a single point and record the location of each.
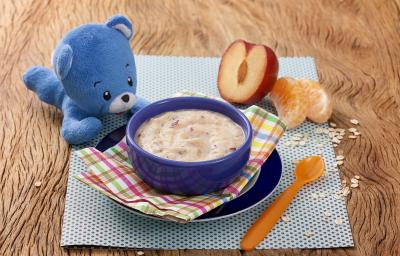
(190, 135)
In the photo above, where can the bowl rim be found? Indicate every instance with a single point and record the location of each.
(130, 138)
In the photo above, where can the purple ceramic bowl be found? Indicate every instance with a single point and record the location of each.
(188, 178)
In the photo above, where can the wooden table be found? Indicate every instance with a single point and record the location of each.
(357, 48)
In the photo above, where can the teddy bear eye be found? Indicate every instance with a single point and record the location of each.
(107, 95)
(130, 82)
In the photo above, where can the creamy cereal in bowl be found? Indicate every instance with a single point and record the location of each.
(190, 135)
(189, 145)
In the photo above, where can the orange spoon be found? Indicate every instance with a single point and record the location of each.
(308, 170)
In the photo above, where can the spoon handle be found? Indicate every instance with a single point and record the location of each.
(260, 229)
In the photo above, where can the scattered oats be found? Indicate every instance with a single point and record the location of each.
(339, 221)
(331, 134)
(295, 161)
(322, 194)
(346, 191)
(295, 143)
(335, 145)
(335, 140)
(288, 143)
(302, 143)
(352, 137)
(325, 131)
(298, 135)
(328, 214)
(340, 130)
(37, 184)
(140, 253)
(332, 124)
(344, 181)
(318, 130)
(339, 137)
(339, 162)
(357, 133)
(314, 195)
(357, 177)
(285, 219)
(308, 233)
(320, 145)
(354, 180)
(352, 129)
(331, 129)
(354, 185)
(354, 121)
(339, 157)
(296, 138)
(338, 196)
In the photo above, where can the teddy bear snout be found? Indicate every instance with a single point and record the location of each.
(125, 98)
(122, 102)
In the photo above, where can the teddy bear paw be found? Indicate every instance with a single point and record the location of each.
(77, 132)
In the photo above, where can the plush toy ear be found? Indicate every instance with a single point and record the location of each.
(122, 24)
(62, 60)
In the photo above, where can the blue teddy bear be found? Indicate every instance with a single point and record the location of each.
(94, 75)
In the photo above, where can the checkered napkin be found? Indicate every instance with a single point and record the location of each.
(111, 173)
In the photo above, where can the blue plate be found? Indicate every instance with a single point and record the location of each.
(263, 187)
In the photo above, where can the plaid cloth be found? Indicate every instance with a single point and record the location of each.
(111, 173)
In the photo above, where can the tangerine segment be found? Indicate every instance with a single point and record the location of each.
(290, 100)
(321, 106)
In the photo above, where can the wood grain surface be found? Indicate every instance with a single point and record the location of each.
(357, 48)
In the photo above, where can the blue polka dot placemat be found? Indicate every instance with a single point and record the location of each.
(90, 219)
